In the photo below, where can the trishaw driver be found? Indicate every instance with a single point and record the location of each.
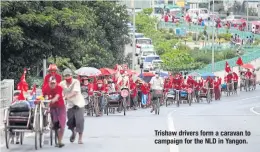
(52, 73)
(156, 84)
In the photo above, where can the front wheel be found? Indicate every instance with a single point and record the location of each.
(189, 99)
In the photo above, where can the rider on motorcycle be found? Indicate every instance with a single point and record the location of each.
(156, 84)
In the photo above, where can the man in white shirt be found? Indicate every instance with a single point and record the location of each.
(156, 84)
(75, 104)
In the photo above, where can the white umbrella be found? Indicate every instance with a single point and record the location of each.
(88, 71)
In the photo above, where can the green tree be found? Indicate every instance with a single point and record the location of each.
(86, 33)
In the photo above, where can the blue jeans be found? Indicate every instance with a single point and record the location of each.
(144, 99)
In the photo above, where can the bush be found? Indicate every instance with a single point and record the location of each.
(226, 36)
(171, 30)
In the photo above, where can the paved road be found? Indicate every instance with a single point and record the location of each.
(135, 132)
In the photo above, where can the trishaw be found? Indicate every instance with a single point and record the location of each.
(157, 94)
(114, 101)
(25, 117)
(186, 95)
(207, 94)
(170, 97)
(230, 88)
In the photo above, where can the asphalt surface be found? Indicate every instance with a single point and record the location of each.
(135, 132)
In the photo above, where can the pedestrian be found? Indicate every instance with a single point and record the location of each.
(57, 107)
(216, 89)
(52, 72)
(75, 104)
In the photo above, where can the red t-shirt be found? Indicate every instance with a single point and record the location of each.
(134, 89)
(248, 74)
(229, 77)
(47, 77)
(235, 77)
(51, 93)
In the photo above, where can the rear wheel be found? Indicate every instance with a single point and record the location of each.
(7, 137)
(21, 137)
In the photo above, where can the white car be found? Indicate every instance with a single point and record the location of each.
(145, 54)
(147, 62)
(156, 64)
(143, 47)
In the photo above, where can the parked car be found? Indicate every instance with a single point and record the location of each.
(145, 54)
(147, 62)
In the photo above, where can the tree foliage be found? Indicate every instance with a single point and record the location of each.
(81, 33)
(176, 56)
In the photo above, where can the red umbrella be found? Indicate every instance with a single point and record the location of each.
(147, 74)
(248, 66)
(107, 71)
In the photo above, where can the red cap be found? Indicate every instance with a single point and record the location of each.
(52, 67)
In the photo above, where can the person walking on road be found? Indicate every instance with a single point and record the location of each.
(75, 104)
(57, 107)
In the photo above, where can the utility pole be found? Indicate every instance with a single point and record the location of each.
(44, 67)
(247, 5)
(134, 45)
(213, 41)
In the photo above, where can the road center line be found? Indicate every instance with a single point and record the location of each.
(173, 147)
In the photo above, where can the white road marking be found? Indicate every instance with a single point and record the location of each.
(252, 110)
(249, 98)
(173, 147)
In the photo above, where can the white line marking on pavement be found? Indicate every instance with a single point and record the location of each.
(252, 110)
(249, 98)
(173, 147)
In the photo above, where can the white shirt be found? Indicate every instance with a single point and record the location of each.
(78, 99)
(156, 83)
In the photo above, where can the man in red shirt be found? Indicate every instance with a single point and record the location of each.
(217, 89)
(54, 92)
(229, 78)
(248, 74)
(52, 72)
(235, 79)
(101, 87)
(133, 96)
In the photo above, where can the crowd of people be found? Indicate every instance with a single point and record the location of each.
(68, 95)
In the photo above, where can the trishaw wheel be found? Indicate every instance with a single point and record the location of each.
(36, 140)
(51, 136)
(158, 106)
(40, 139)
(21, 137)
(7, 137)
(124, 106)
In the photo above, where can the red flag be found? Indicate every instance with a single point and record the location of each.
(239, 61)
(227, 68)
(21, 96)
(33, 90)
(22, 85)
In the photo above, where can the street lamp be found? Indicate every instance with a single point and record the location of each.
(134, 45)
(213, 41)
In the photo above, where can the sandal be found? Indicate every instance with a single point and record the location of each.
(80, 142)
(72, 137)
(60, 145)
